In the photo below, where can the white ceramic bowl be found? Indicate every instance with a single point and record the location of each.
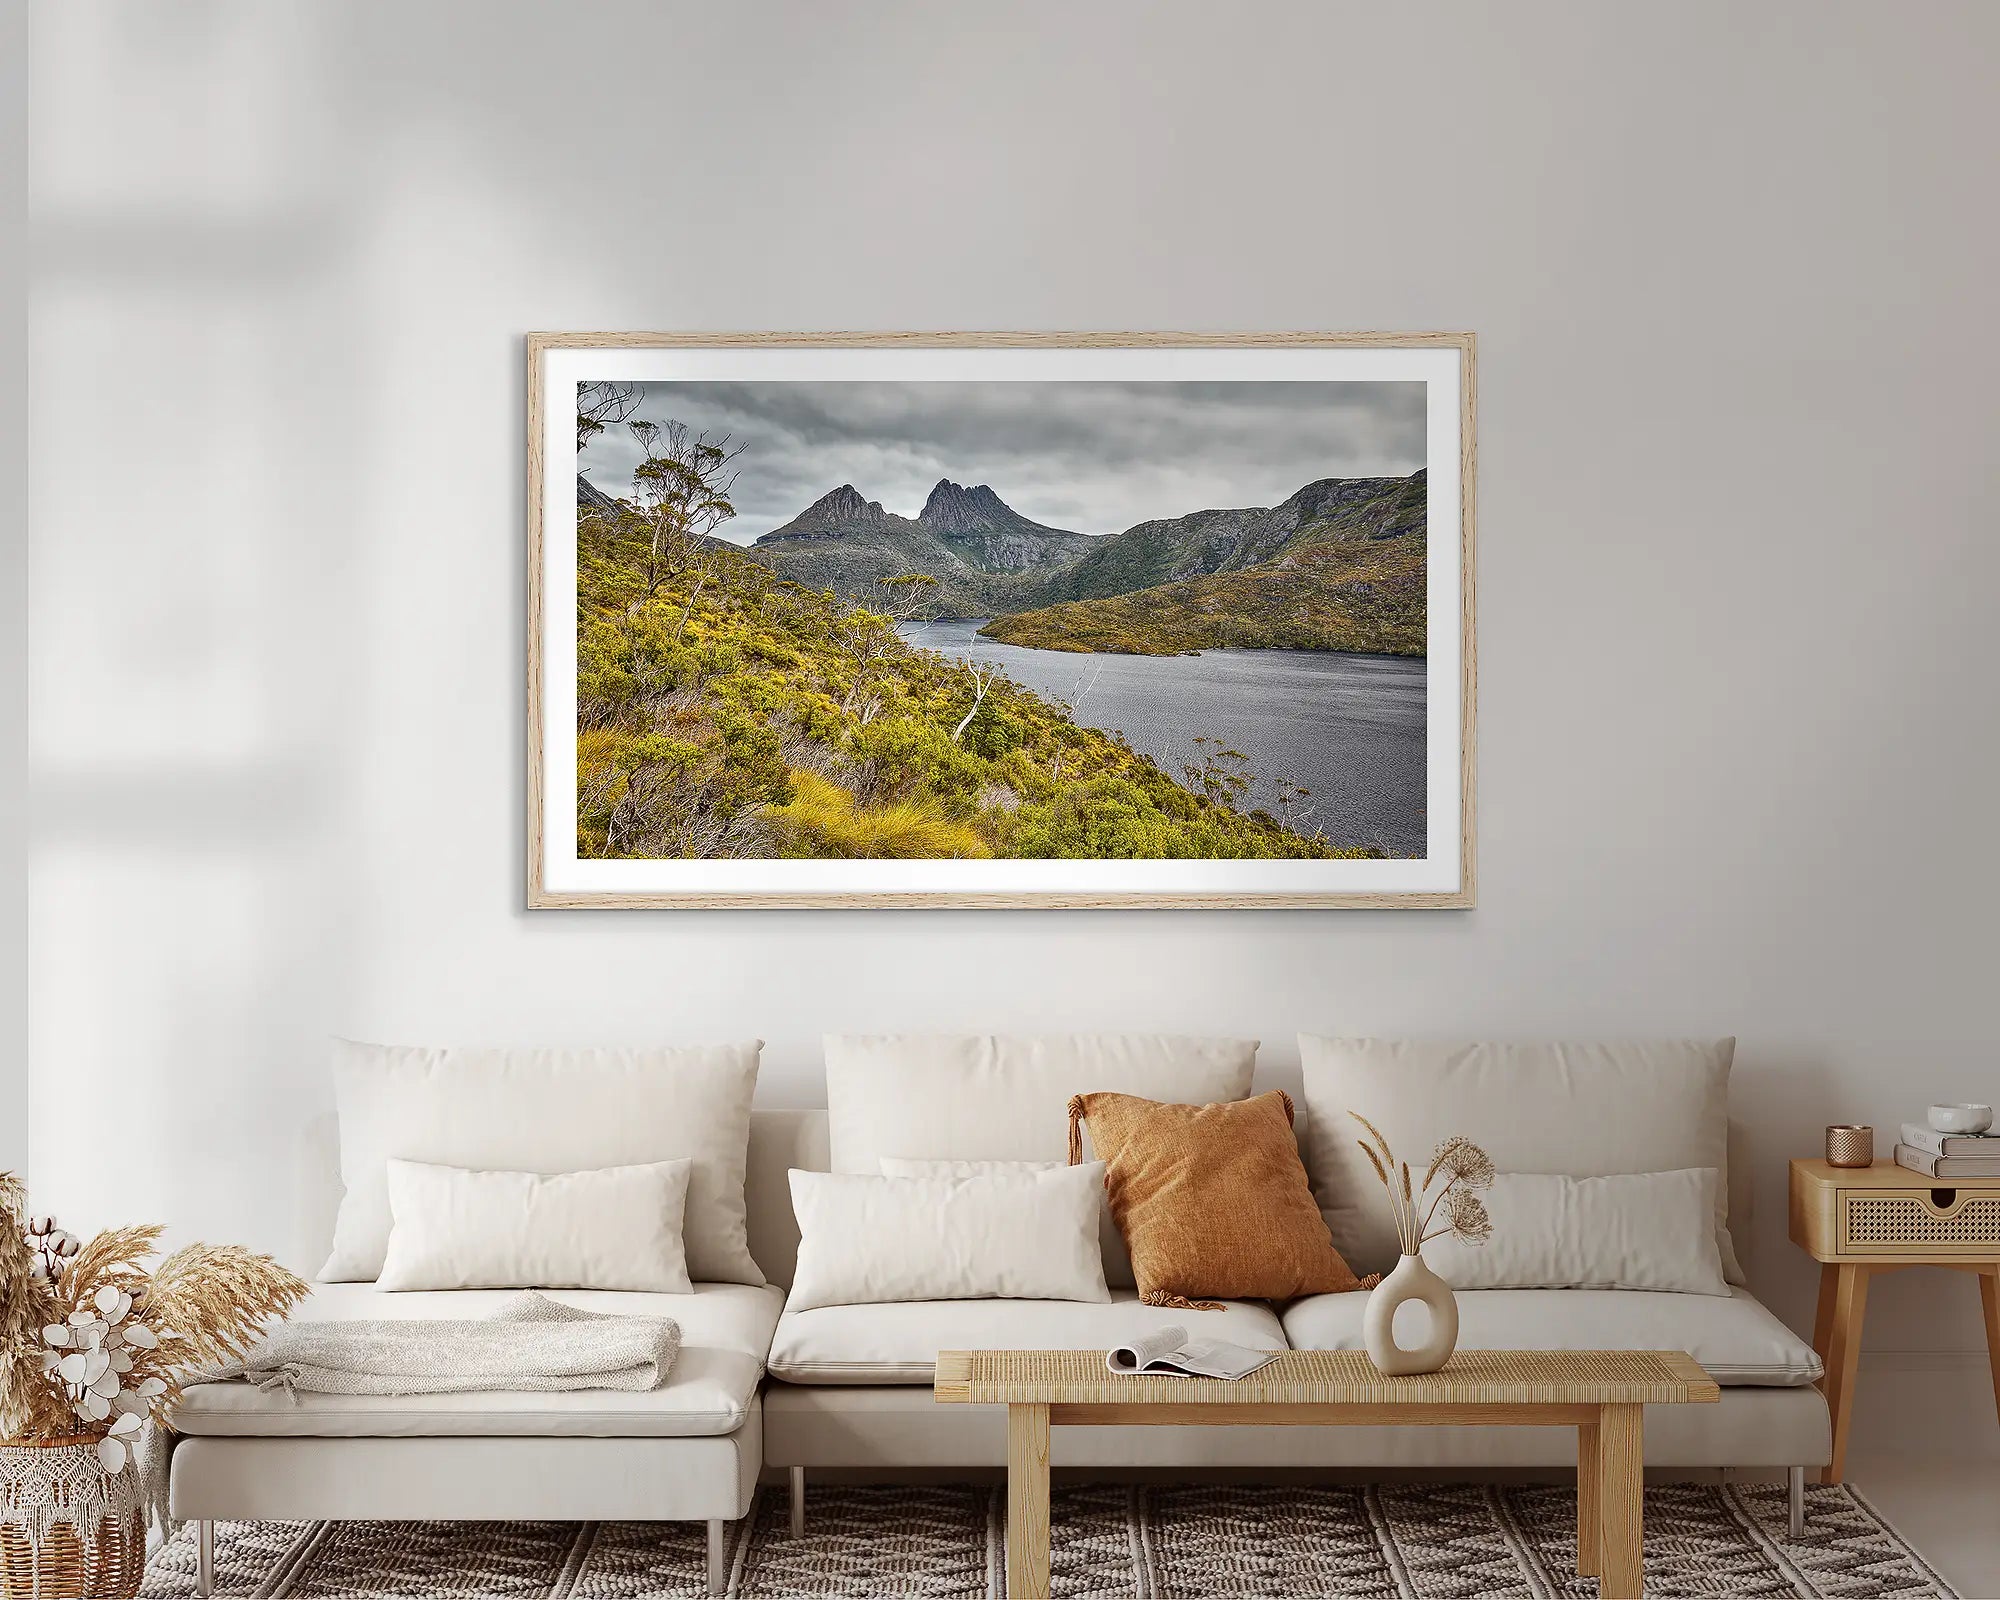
(1961, 1118)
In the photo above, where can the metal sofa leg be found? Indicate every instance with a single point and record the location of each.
(204, 1559)
(798, 1502)
(1795, 1486)
(718, 1563)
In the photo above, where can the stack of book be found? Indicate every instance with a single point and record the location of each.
(1949, 1155)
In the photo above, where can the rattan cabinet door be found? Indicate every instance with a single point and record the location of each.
(1941, 1220)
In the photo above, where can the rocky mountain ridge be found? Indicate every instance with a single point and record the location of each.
(1341, 565)
(989, 560)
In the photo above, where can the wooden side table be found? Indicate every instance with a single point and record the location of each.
(1603, 1394)
(1858, 1221)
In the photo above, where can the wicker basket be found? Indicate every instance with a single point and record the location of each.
(69, 1530)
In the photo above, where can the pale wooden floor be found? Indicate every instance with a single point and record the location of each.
(1949, 1509)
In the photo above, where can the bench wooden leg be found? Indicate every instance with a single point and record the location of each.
(1027, 1502)
(1589, 1520)
(1621, 1478)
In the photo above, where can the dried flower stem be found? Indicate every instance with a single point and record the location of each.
(92, 1342)
(1464, 1167)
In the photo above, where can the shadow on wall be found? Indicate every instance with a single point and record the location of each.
(276, 551)
(223, 374)
(200, 396)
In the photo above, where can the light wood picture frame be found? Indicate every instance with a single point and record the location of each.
(743, 697)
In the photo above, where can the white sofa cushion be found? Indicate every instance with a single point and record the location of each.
(1023, 1235)
(990, 1097)
(725, 1331)
(1584, 1109)
(615, 1228)
(1735, 1338)
(546, 1111)
(1641, 1230)
(898, 1344)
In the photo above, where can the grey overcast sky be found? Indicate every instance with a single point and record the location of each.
(1092, 457)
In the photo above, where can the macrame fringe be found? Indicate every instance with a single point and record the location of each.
(1371, 1280)
(1179, 1302)
(1076, 1130)
(1287, 1099)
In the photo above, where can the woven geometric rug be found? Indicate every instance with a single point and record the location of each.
(1412, 1542)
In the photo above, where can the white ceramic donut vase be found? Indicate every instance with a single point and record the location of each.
(1412, 1280)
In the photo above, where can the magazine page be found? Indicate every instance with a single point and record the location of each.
(1142, 1352)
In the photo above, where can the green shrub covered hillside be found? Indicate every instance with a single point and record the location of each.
(724, 711)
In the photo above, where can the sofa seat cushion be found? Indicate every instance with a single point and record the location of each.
(1735, 1338)
(712, 1386)
(898, 1344)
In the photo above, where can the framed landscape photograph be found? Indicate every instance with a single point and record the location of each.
(1000, 620)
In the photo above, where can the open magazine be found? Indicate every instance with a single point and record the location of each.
(1169, 1352)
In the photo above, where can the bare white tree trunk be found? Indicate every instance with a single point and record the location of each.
(983, 678)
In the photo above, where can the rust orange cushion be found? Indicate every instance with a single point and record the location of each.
(1212, 1200)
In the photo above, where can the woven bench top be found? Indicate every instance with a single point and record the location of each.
(1334, 1378)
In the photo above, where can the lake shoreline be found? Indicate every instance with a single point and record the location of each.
(978, 624)
(1328, 741)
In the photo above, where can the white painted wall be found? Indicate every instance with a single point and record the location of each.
(1731, 271)
(13, 586)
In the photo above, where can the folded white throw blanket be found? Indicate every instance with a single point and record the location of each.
(531, 1342)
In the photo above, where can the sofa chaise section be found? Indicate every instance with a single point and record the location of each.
(690, 1450)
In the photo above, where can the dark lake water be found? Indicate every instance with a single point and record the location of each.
(1348, 728)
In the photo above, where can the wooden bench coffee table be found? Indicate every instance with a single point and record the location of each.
(1600, 1393)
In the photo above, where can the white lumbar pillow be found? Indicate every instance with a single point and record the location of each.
(1583, 1109)
(1643, 1230)
(1005, 1097)
(546, 1111)
(1110, 1242)
(616, 1228)
(864, 1239)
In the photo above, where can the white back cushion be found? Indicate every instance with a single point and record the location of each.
(1000, 1098)
(546, 1111)
(1017, 1235)
(615, 1228)
(1583, 1109)
(1638, 1230)
(992, 1097)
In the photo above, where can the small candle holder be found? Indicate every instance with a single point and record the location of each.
(1850, 1146)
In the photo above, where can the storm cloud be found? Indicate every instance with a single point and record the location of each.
(1094, 457)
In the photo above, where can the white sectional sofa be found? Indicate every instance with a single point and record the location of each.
(757, 1389)
(850, 1385)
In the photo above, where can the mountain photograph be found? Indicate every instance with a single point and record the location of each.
(1052, 620)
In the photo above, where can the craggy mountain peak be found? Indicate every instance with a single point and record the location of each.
(844, 504)
(963, 532)
(959, 508)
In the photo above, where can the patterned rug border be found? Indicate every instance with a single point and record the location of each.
(1432, 1541)
(1902, 1541)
